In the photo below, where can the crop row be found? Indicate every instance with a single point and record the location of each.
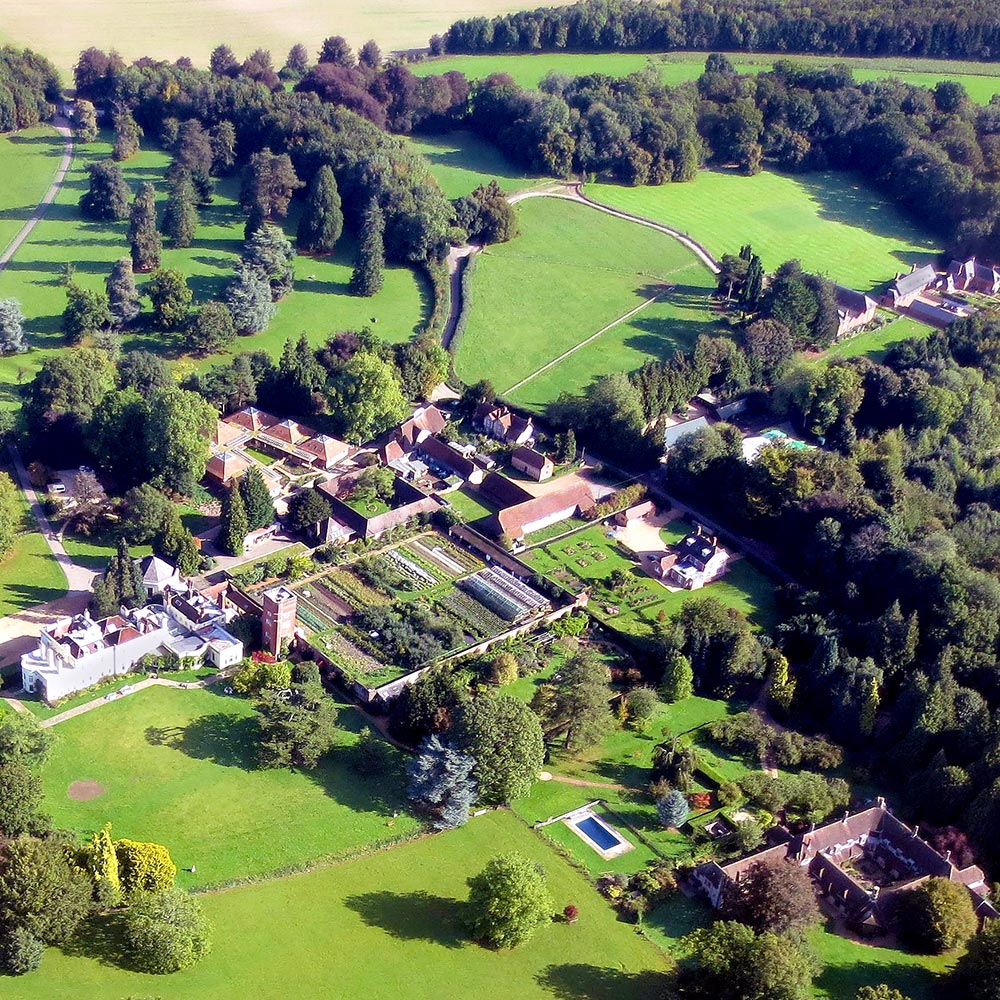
(473, 615)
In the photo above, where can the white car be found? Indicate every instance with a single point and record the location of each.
(57, 488)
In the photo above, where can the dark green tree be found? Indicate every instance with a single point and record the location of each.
(775, 896)
(121, 585)
(171, 296)
(85, 314)
(308, 508)
(270, 253)
(21, 795)
(107, 198)
(23, 741)
(256, 499)
(176, 544)
(143, 235)
(370, 55)
(977, 972)
(235, 527)
(581, 707)
(212, 329)
(85, 121)
(937, 916)
(297, 726)
(296, 63)
(223, 148)
(123, 296)
(144, 509)
(508, 900)
(127, 136)
(20, 952)
(166, 931)
(336, 50)
(368, 270)
(322, 219)
(269, 181)
(180, 218)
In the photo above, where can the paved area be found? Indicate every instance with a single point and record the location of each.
(586, 476)
(642, 535)
(62, 126)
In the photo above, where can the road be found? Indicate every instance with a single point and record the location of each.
(62, 126)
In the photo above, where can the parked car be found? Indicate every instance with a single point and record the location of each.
(57, 488)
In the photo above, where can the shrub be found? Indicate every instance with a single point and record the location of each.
(254, 675)
(166, 932)
(729, 793)
(641, 705)
(21, 952)
(144, 867)
(570, 914)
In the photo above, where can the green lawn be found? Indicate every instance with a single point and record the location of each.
(876, 344)
(571, 272)
(28, 163)
(831, 222)
(318, 307)
(469, 504)
(95, 551)
(389, 925)
(29, 573)
(460, 161)
(177, 767)
(981, 80)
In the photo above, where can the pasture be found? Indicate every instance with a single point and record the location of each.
(385, 926)
(319, 306)
(570, 273)
(981, 80)
(167, 29)
(28, 163)
(832, 222)
(178, 767)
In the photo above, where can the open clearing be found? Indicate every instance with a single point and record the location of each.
(571, 272)
(981, 80)
(28, 163)
(177, 767)
(168, 29)
(833, 223)
(319, 306)
(386, 926)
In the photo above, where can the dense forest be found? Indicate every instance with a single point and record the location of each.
(29, 88)
(952, 30)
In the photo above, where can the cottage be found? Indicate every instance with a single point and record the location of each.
(907, 287)
(532, 463)
(425, 421)
(700, 560)
(854, 310)
(503, 424)
(972, 276)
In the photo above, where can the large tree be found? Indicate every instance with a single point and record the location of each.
(121, 585)
(977, 973)
(127, 135)
(248, 298)
(368, 397)
(508, 900)
(180, 218)
(85, 121)
(370, 265)
(580, 708)
(166, 931)
(21, 795)
(23, 741)
(107, 197)
(175, 543)
(12, 339)
(298, 726)
(504, 738)
(144, 509)
(177, 438)
(269, 252)
(143, 236)
(269, 181)
(308, 508)
(235, 526)
(322, 219)
(211, 329)
(223, 148)
(123, 296)
(774, 896)
(441, 783)
(936, 916)
(256, 499)
(120, 417)
(171, 296)
(11, 514)
(86, 313)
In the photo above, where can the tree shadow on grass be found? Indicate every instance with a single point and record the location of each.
(578, 981)
(220, 738)
(100, 939)
(412, 916)
(378, 793)
(845, 980)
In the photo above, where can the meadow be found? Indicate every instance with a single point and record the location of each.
(319, 306)
(574, 271)
(832, 222)
(177, 767)
(385, 926)
(28, 163)
(981, 80)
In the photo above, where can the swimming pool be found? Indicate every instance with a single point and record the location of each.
(603, 836)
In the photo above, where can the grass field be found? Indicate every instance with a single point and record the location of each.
(319, 306)
(168, 29)
(460, 161)
(877, 343)
(28, 162)
(571, 272)
(386, 926)
(831, 222)
(177, 767)
(981, 80)
(29, 573)
(95, 551)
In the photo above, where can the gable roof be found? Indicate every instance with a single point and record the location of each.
(439, 451)
(963, 268)
(852, 303)
(503, 492)
(513, 520)
(916, 281)
(533, 459)
(425, 420)
(673, 434)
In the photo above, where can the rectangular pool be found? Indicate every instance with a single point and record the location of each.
(602, 836)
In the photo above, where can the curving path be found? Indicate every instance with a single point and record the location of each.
(62, 126)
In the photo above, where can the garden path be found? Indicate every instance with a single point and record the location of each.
(580, 783)
(62, 126)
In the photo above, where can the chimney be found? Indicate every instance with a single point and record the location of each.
(697, 529)
(880, 801)
(947, 855)
(916, 831)
(875, 891)
(714, 540)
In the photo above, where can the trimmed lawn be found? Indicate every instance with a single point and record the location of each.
(95, 551)
(575, 271)
(319, 306)
(832, 222)
(322, 930)
(28, 164)
(29, 573)
(177, 767)
(980, 79)
(469, 504)
(876, 344)
(460, 161)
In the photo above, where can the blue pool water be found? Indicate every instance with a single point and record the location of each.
(599, 834)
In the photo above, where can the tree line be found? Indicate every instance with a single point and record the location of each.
(838, 27)
(29, 88)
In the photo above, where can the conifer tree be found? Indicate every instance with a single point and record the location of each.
(367, 277)
(121, 585)
(103, 867)
(322, 219)
(127, 135)
(441, 783)
(142, 233)
(256, 500)
(123, 296)
(869, 708)
(223, 148)
(181, 216)
(235, 526)
(11, 327)
(248, 297)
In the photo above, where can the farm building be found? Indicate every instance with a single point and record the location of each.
(532, 463)
(540, 512)
(905, 289)
(854, 310)
(859, 865)
(502, 423)
(284, 438)
(972, 276)
(451, 459)
(506, 595)
(407, 502)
